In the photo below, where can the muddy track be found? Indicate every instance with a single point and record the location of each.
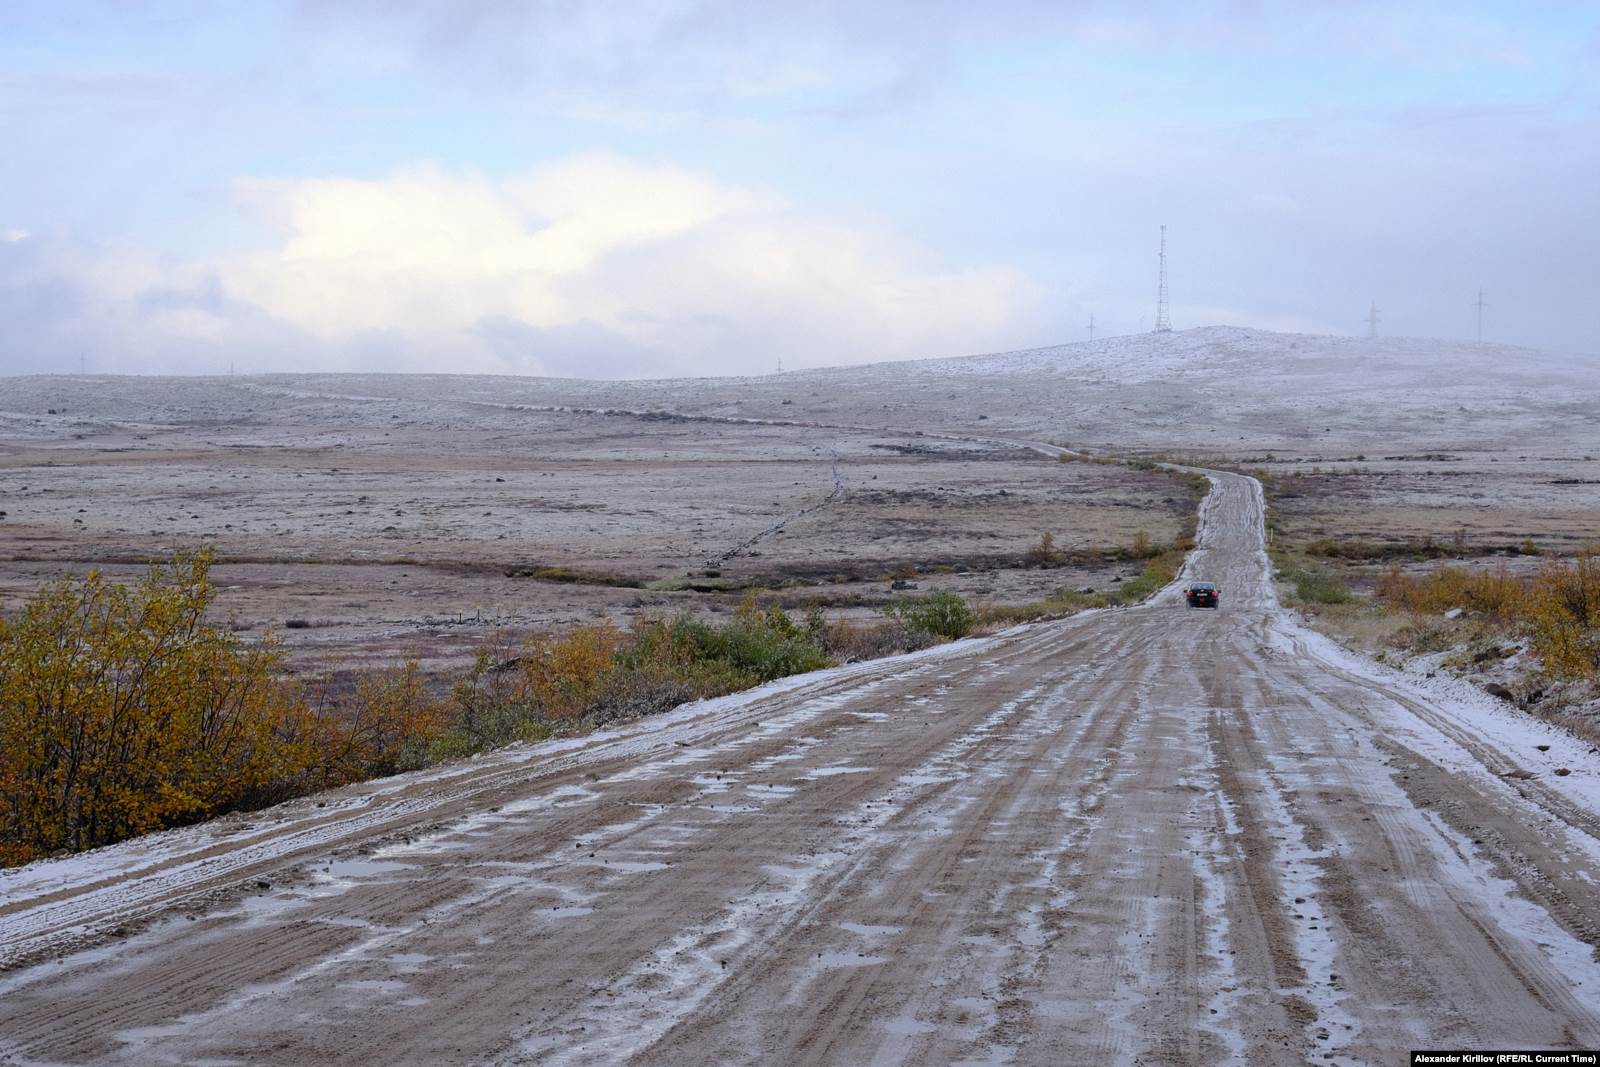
(1145, 835)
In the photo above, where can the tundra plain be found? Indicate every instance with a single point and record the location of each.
(1140, 835)
(378, 516)
(419, 534)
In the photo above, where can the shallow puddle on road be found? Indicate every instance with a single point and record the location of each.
(907, 1027)
(925, 779)
(389, 986)
(409, 960)
(829, 772)
(561, 797)
(268, 908)
(360, 868)
(634, 866)
(849, 959)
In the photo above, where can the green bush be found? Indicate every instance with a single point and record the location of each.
(1317, 588)
(942, 614)
(1311, 585)
(755, 647)
(1157, 573)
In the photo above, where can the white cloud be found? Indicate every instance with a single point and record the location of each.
(677, 272)
(594, 265)
(13, 236)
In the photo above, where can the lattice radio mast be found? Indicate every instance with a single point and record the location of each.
(1163, 323)
(1372, 320)
(1091, 326)
(1480, 305)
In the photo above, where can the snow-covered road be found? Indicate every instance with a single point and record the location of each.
(1145, 835)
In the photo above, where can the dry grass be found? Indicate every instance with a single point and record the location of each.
(1307, 583)
(1057, 605)
(1558, 607)
(1367, 626)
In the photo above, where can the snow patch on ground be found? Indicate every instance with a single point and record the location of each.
(1500, 726)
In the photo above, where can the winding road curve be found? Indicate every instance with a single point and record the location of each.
(1145, 835)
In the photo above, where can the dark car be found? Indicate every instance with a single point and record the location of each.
(1200, 595)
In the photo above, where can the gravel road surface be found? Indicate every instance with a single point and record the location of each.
(1149, 835)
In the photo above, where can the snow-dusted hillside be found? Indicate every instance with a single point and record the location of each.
(1220, 387)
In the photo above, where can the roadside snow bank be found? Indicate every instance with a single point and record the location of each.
(1457, 725)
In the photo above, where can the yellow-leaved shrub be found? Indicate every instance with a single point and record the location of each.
(562, 676)
(385, 727)
(122, 711)
(1559, 606)
(1565, 609)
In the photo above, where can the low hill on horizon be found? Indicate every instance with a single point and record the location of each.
(1219, 388)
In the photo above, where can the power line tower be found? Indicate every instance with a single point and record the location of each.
(1480, 306)
(1372, 320)
(1091, 326)
(1163, 323)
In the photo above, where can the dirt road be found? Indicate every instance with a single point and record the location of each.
(1149, 835)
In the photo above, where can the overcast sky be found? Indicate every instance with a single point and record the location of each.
(671, 186)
